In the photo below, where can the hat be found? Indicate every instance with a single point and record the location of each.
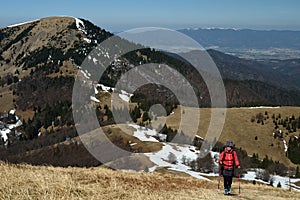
(229, 144)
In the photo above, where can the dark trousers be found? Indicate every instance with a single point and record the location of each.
(228, 175)
(227, 182)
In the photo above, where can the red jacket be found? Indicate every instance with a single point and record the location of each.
(229, 159)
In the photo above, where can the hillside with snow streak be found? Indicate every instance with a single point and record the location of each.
(171, 157)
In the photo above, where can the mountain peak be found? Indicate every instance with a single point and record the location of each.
(20, 41)
(46, 19)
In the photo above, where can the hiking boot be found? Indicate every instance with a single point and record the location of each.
(225, 191)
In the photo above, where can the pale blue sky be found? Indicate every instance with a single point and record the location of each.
(118, 15)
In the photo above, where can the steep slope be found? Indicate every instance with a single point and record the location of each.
(43, 53)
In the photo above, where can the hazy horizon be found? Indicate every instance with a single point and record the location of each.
(117, 15)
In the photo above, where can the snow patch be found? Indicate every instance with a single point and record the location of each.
(8, 128)
(95, 99)
(191, 173)
(132, 144)
(4, 133)
(86, 74)
(12, 112)
(125, 96)
(87, 40)
(258, 107)
(80, 25)
(95, 60)
(17, 124)
(96, 91)
(144, 134)
(105, 88)
(169, 151)
(284, 181)
(285, 146)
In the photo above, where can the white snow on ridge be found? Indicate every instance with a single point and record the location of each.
(19, 24)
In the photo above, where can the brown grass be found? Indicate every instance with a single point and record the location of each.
(6, 99)
(25, 115)
(126, 133)
(46, 182)
(67, 69)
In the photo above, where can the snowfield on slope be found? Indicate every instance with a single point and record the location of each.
(162, 158)
(8, 128)
(284, 181)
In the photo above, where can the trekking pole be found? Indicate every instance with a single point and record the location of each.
(219, 181)
(240, 195)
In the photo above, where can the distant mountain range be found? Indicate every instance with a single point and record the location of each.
(249, 43)
(280, 73)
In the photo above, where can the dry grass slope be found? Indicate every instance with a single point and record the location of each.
(239, 128)
(46, 182)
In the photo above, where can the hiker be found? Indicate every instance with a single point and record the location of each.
(228, 159)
